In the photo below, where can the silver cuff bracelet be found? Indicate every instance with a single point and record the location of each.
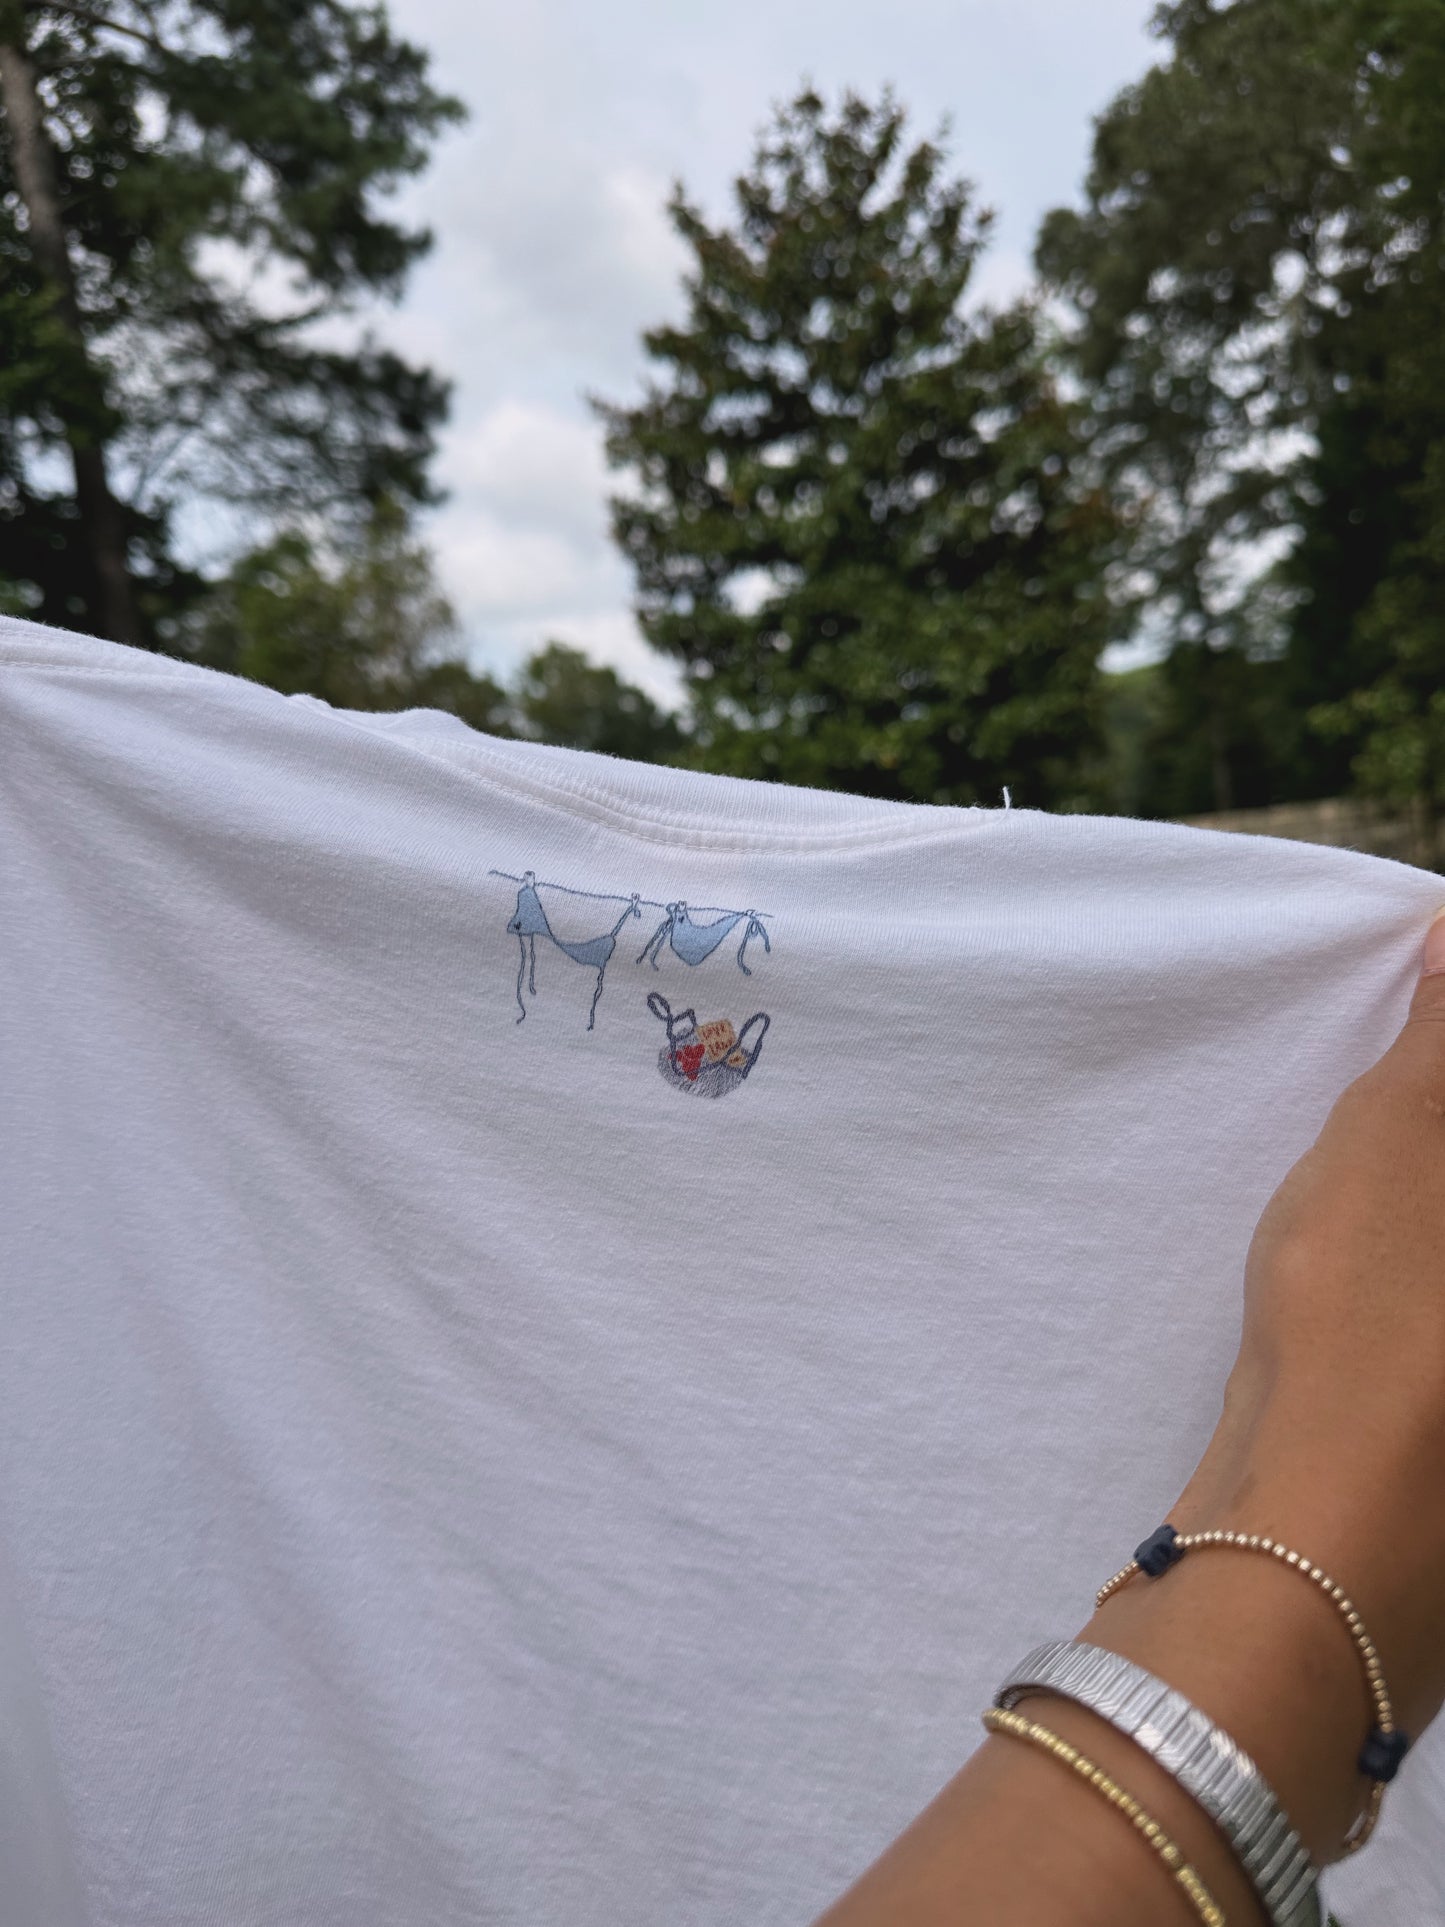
(1201, 1756)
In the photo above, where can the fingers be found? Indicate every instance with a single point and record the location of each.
(1418, 1052)
(1428, 1002)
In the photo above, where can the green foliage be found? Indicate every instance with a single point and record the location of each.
(561, 697)
(1133, 708)
(367, 629)
(1196, 271)
(1218, 724)
(1394, 725)
(864, 518)
(1256, 284)
(1374, 517)
(220, 167)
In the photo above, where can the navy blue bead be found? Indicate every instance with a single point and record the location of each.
(1159, 1552)
(1382, 1753)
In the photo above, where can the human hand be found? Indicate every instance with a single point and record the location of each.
(1332, 1437)
(1332, 1441)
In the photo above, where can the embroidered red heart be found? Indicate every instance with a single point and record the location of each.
(689, 1057)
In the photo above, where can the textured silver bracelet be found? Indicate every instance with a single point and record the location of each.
(1201, 1756)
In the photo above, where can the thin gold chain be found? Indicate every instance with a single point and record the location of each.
(1339, 1599)
(1205, 1907)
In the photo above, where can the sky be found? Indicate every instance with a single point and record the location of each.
(553, 251)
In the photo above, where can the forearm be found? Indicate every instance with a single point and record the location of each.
(1331, 1441)
(1017, 1840)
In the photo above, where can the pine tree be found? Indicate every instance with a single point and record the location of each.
(186, 188)
(861, 514)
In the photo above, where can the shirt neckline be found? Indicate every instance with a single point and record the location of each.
(653, 802)
(662, 803)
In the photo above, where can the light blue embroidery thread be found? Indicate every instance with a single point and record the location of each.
(692, 942)
(529, 921)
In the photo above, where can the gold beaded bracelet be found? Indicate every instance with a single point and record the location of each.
(1386, 1745)
(1200, 1898)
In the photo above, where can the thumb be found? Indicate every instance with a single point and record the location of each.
(1428, 1002)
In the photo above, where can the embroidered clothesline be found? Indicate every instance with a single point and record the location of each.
(629, 896)
(691, 941)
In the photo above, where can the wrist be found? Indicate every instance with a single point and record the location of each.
(1368, 1521)
(1263, 1652)
(1090, 1840)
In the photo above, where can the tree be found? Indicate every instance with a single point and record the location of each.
(1195, 273)
(863, 517)
(366, 627)
(1250, 274)
(561, 697)
(364, 630)
(1372, 557)
(187, 187)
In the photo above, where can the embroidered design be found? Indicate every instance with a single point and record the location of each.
(693, 942)
(529, 921)
(710, 1059)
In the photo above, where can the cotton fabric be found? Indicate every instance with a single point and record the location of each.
(458, 1465)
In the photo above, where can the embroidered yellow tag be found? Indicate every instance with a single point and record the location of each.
(717, 1039)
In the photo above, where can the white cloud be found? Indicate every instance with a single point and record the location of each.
(531, 463)
(578, 256)
(522, 546)
(503, 574)
(522, 550)
(613, 637)
(554, 249)
(553, 255)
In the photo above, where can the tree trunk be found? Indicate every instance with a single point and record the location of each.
(1220, 775)
(1216, 727)
(1427, 832)
(102, 521)
(1428, 817)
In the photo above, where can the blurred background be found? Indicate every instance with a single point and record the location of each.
(916, 402)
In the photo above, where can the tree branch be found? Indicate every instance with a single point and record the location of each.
(101, 20)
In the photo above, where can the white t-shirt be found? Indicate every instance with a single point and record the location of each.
(564, 1322)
